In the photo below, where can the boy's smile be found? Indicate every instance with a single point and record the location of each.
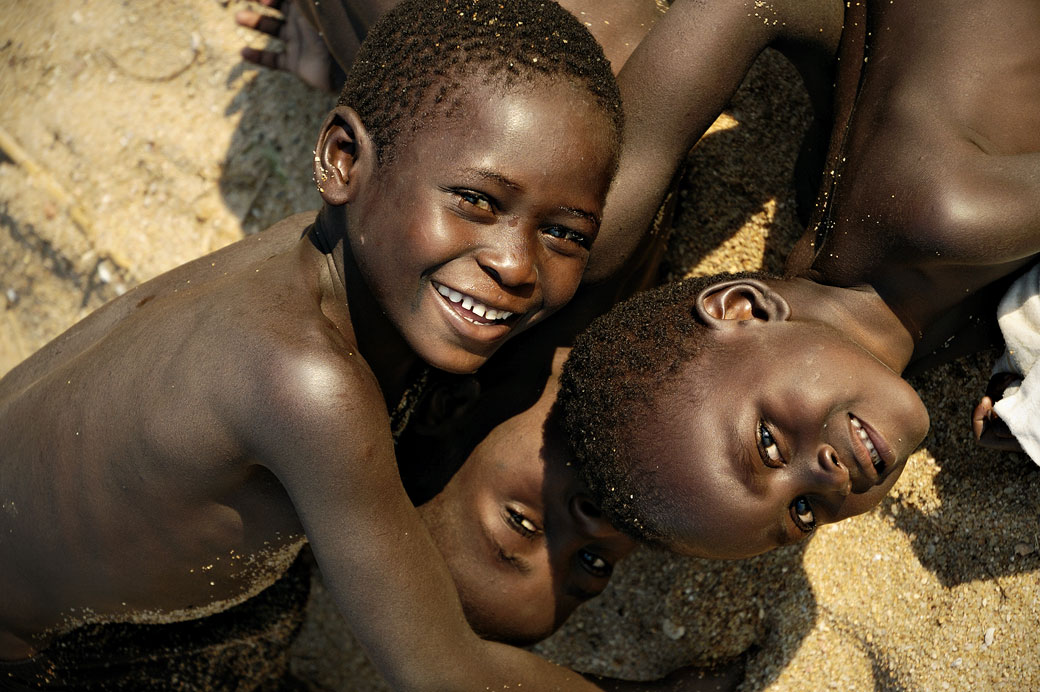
(471, 309)
(480, 224)
(799, 427)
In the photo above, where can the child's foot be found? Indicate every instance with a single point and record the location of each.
(989, 430)
(304, 53)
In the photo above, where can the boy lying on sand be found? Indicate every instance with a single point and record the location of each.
(165, 457)
(727, 416)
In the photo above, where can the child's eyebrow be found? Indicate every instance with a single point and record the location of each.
(518, 563)
(582, 214)
(747, 468)
(575, 591)
(782, 536)
(487, 174)
(751, 480)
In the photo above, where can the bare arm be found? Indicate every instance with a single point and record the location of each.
(676, 83)
(329, 444)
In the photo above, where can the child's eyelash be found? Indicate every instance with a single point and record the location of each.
(595, 565)
(524, 526)
(768, 447)
(803, 515)
(475, 199)
(569, 235)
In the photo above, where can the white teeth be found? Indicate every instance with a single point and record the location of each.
(874, 456)
(472, 305)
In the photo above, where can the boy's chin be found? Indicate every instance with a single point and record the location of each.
(456, 360)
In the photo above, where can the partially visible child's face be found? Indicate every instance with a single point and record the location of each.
(481, 224)
(773, 441)
(523, 543)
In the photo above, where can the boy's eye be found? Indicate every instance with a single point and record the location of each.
(524, 526)
(595, 565)
(768, 447)
(802, 513)
(570, 236)
(475, 199)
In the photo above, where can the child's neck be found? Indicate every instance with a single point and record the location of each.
(378, 341)
(859, 313)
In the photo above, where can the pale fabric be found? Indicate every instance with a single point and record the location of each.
(1019, 317)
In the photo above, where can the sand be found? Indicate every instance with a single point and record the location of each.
(134, 139)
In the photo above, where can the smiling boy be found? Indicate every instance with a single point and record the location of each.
(165, 457)
(728, 416)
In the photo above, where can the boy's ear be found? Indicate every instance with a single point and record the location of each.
(345, 155)
(727, 303)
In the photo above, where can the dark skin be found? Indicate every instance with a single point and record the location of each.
(989, 430)
(300, 443)
(319, 37)
(876, 301)
(926, 172)
(926, 211)
(523, 542)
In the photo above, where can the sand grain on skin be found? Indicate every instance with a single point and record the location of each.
(173, 152)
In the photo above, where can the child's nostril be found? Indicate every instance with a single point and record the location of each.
(493, 273)
(590, 510)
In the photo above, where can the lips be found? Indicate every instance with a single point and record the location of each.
(473, 319)
(471, 308)
(872, 451)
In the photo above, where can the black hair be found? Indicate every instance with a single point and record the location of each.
(608, 389)
(415, 59)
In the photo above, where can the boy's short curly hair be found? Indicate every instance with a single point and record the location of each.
(414, 60)
(608, 389)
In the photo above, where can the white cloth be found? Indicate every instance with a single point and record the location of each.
(1019, 317)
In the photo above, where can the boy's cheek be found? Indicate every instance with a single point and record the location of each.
(561, 291)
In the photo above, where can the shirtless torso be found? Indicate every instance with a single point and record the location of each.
(932, 134)
(930, 193)
(185, 533)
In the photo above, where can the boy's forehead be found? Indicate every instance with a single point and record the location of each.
(459, 100)
(496, 135)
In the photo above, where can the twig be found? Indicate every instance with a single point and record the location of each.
(46, 182)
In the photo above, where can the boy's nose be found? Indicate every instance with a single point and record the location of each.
(829, 472)
(510, 262)
(589, 519)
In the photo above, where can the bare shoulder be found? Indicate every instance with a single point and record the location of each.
(312, 376)
(99, 325)
(305, 395)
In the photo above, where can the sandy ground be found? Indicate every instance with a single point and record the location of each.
(133, 139)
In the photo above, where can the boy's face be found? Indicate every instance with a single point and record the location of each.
(524, 545)
(774, 445)
(481, 223)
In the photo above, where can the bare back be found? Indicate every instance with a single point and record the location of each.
(127, 494)
(932, 187)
